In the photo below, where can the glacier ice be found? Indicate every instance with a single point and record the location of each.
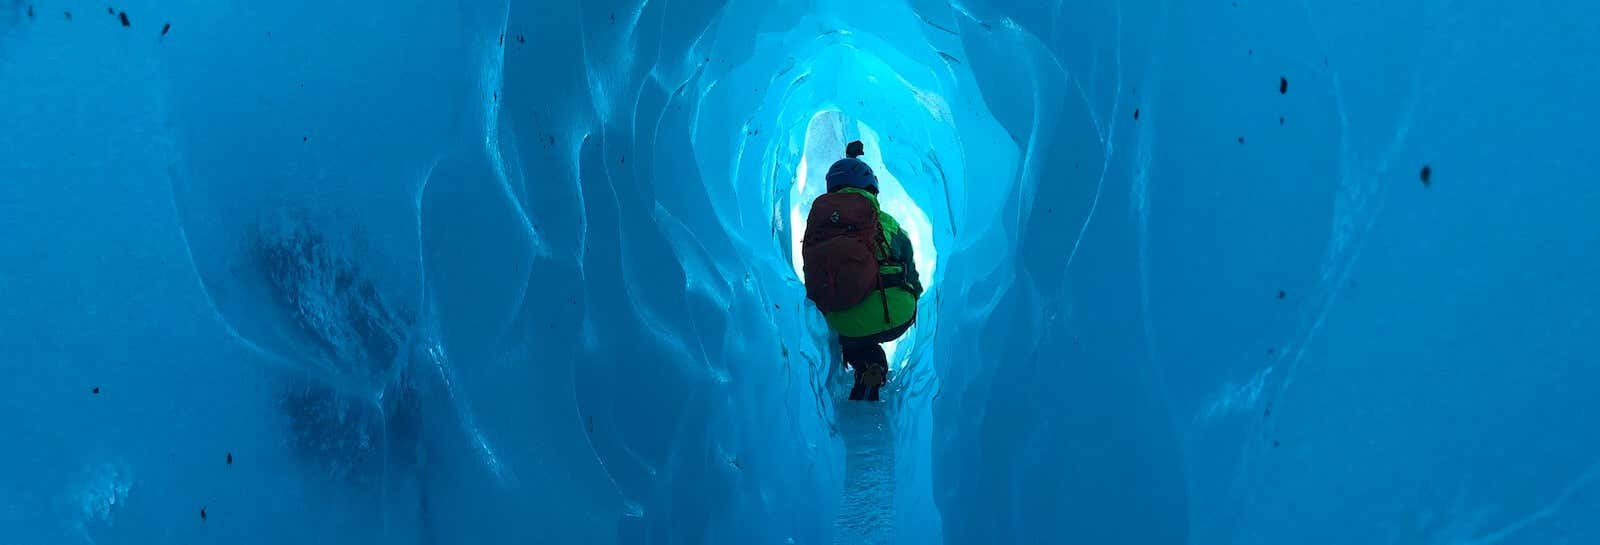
(522, 271)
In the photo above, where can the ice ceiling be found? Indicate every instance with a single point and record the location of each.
(1221, 271)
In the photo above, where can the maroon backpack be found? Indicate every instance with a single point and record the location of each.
(839, 251)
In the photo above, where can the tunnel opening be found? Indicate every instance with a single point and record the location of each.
(873, 439)
(922, 121)
(826, 134)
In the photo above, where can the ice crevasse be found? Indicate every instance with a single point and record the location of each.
(1217, 272)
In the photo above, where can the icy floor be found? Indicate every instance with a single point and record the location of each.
(866, 512)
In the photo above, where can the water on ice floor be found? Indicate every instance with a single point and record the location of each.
(866, 512)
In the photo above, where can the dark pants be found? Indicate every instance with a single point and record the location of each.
(871, 363)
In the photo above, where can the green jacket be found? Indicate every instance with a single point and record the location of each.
(866, 319)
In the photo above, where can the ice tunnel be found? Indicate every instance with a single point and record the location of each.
(1245, 272)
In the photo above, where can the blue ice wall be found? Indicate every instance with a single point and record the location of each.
(519, 271)
(1283, 272)
(420, 273)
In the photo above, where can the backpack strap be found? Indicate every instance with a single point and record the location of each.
(893, 280)
(883, 295)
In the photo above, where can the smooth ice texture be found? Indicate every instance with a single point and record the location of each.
(1226, 271)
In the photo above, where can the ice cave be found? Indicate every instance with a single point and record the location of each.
(1211, 272)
